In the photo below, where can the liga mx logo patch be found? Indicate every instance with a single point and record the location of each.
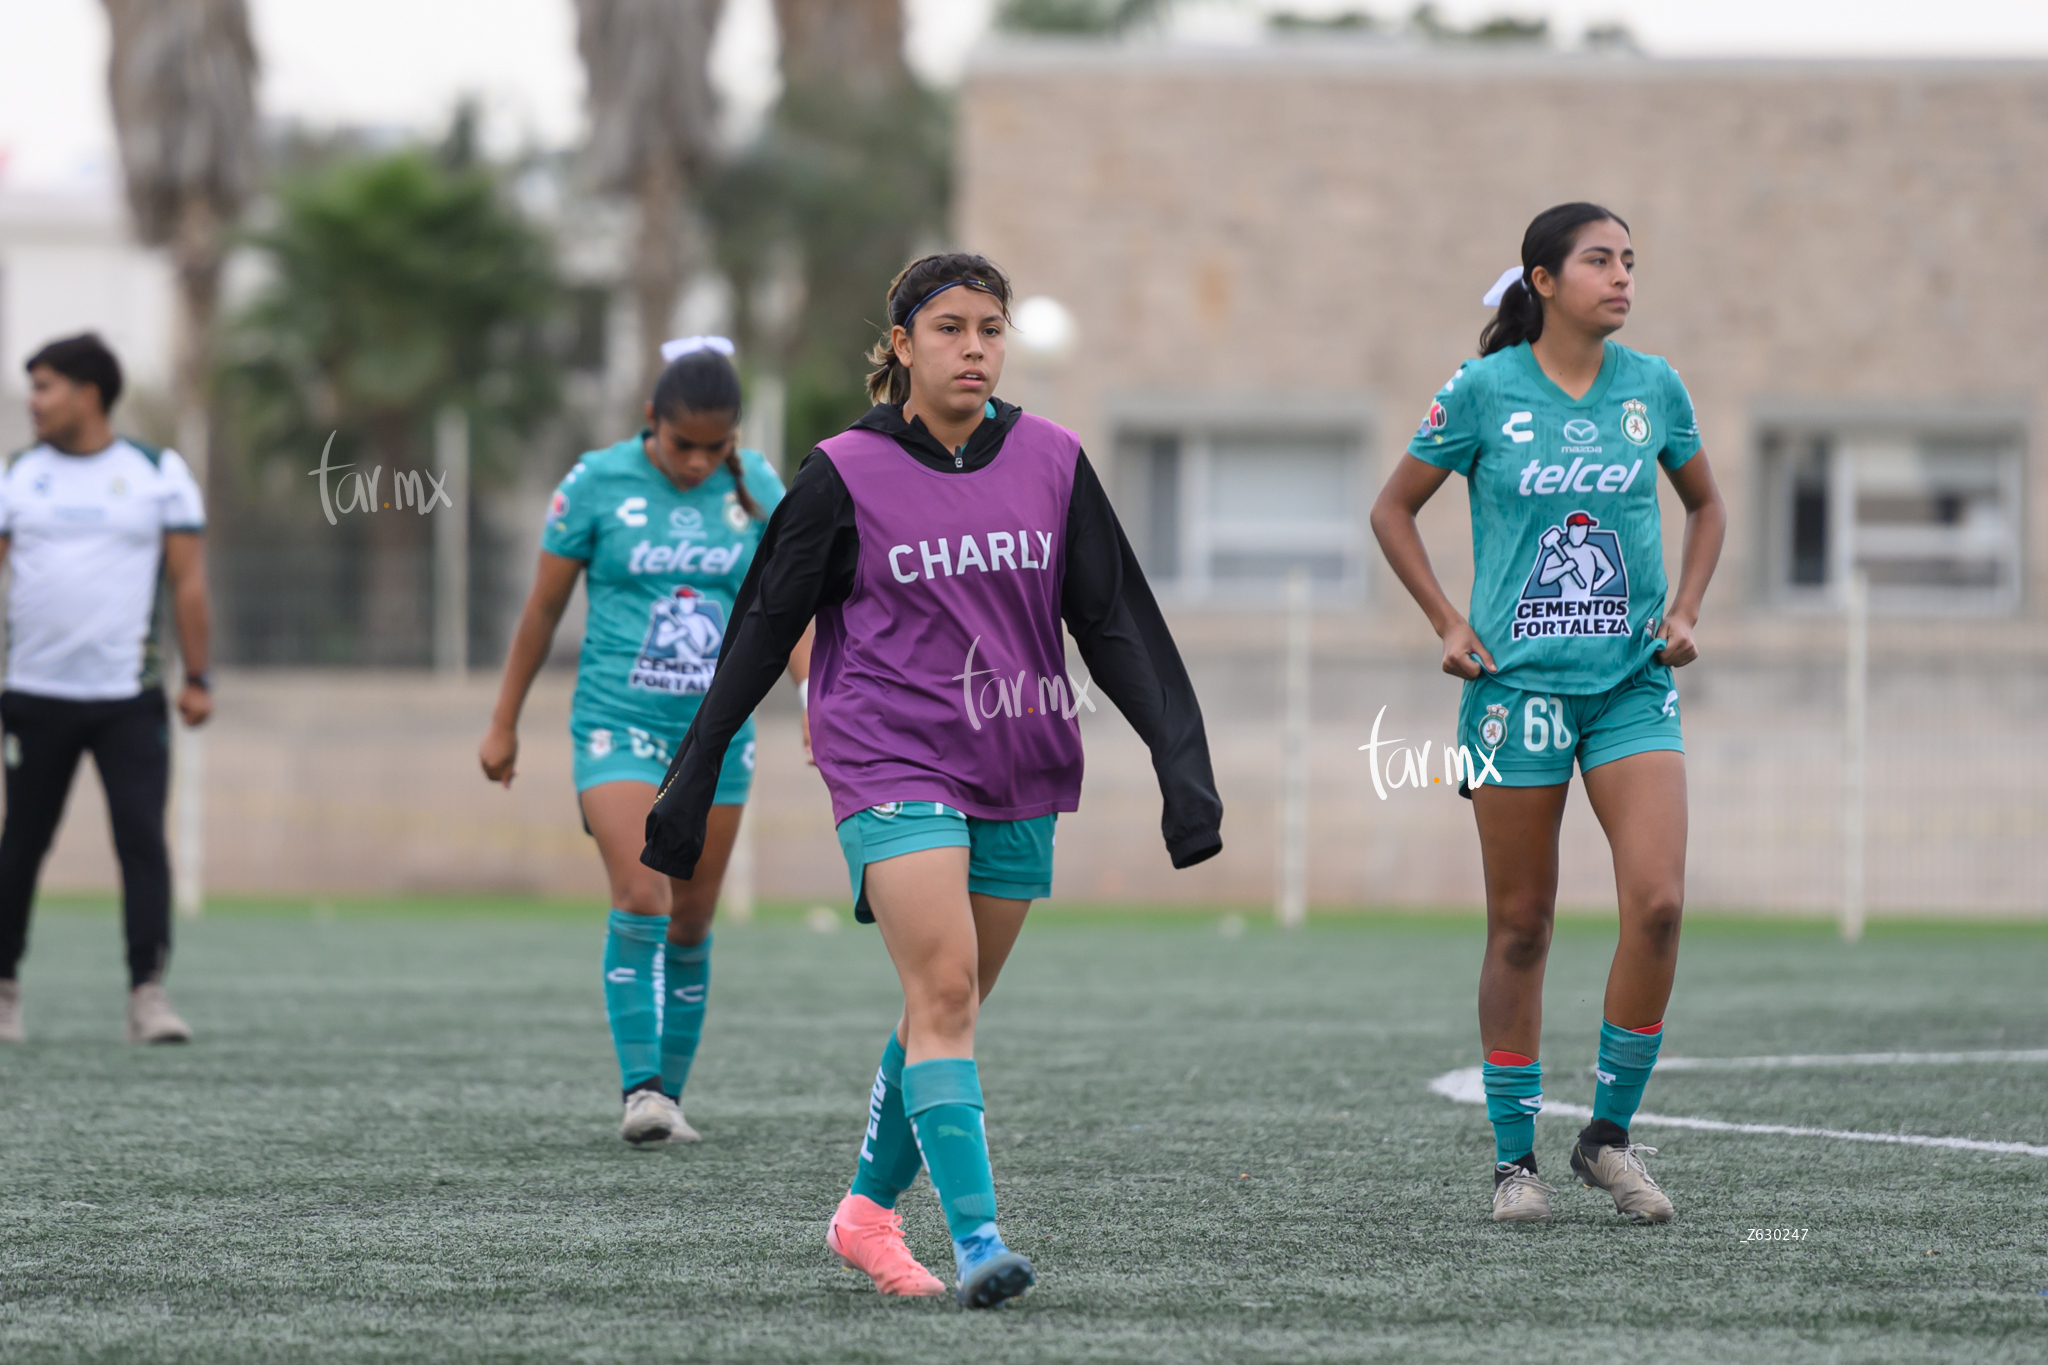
(1579, 585)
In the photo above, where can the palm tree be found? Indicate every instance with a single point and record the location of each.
(182, 78)
(652, 119)
(817, 217)
(858, 43)
(400, 284)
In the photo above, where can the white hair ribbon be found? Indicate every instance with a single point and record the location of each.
(1499, 291)
(682, 346)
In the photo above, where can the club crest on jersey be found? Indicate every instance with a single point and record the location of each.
(1635, 422)
(1493, 731)
(1579, 585)
(684, 631)
(735, 515)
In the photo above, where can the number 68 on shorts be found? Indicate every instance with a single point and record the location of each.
(1534, 738)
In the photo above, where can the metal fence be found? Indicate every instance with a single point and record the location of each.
(365, 781)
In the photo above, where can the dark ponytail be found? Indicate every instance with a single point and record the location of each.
(705, 382)
(1551, 236)
(889, 382)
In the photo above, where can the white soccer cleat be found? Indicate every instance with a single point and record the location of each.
(683, 1132)
(652, 1117)
(1620, 1172)
(151, 1018)
(1518, 1196)
(10, 1013)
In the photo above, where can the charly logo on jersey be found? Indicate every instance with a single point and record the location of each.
(680, 652)
(1493, 731)
(1635, 422)
(633, 511)
(1579, 585)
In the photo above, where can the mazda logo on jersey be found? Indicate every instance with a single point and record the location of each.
(1580, 432)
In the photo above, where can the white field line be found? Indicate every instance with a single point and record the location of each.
(1466, 1085)
(1846, 1059)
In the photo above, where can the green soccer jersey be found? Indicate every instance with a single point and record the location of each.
(662, 569)
(1568, 558)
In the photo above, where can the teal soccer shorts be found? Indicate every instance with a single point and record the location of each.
(1532, 737)
(1010, 858)
(607, 751)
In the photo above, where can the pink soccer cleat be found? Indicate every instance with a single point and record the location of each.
(869, 1238)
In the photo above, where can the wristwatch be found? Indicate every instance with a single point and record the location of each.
(201, 680)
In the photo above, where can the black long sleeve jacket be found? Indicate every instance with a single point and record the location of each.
(807, 560)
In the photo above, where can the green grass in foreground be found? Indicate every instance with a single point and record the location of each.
(394, 1141)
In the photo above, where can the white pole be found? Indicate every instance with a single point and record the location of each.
(188, 817)
(737, 895)
(451, 544)
(767, 418)
(1290, 905)
(1854, 755)
(188, 746)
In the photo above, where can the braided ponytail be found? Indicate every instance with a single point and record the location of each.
(704, 381)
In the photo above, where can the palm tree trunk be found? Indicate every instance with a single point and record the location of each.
(395, 623)
(658, 263)
(196, 258)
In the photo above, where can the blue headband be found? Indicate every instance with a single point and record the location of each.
(971, 284)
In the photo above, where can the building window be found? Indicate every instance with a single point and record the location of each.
(1221, 501)
(1928, 509)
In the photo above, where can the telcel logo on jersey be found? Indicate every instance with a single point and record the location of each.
(1544, 479)
(1579, 585)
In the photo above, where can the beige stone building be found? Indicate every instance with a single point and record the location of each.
(1274, 255)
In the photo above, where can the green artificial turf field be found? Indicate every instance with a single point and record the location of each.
(395, 1140)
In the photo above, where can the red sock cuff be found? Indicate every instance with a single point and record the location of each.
(1502, 1057)
(1655, 1028)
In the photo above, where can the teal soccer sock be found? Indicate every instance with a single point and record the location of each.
(1626, 1058)
(631, 945)
(889, 1159)
(686, 985)
(943, 1099)
(1514, 1094)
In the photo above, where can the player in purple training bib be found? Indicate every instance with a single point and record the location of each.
(940, 544)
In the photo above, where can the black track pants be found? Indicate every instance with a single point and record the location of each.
(130, 744)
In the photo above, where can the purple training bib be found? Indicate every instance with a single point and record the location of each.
(942, 677)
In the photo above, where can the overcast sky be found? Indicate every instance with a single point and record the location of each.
(403, 63)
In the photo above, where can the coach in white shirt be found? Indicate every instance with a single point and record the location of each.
(91, 523)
